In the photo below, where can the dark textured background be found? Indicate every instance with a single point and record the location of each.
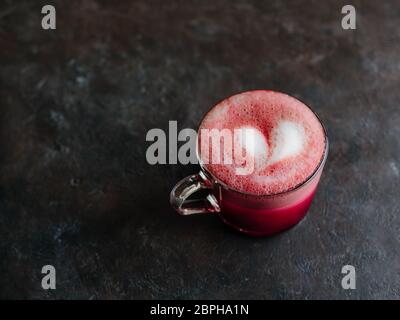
(76, 103)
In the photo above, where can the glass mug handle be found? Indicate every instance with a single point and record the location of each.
(188, 186)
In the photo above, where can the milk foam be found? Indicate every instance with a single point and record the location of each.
(282, 135)
(253, 141)
(289, 140)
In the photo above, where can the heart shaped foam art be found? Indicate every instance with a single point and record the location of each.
(288, 139)
(279, 139)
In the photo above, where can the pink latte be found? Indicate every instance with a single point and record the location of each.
(284, 138)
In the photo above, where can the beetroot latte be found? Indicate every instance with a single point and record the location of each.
(261, 154)
(283, 139)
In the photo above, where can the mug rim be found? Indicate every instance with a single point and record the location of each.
(316, 171)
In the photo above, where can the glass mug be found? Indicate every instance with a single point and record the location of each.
(255, 215)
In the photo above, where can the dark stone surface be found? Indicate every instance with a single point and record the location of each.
(76, 190)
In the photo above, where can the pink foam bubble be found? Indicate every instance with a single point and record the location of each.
(294, 141)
